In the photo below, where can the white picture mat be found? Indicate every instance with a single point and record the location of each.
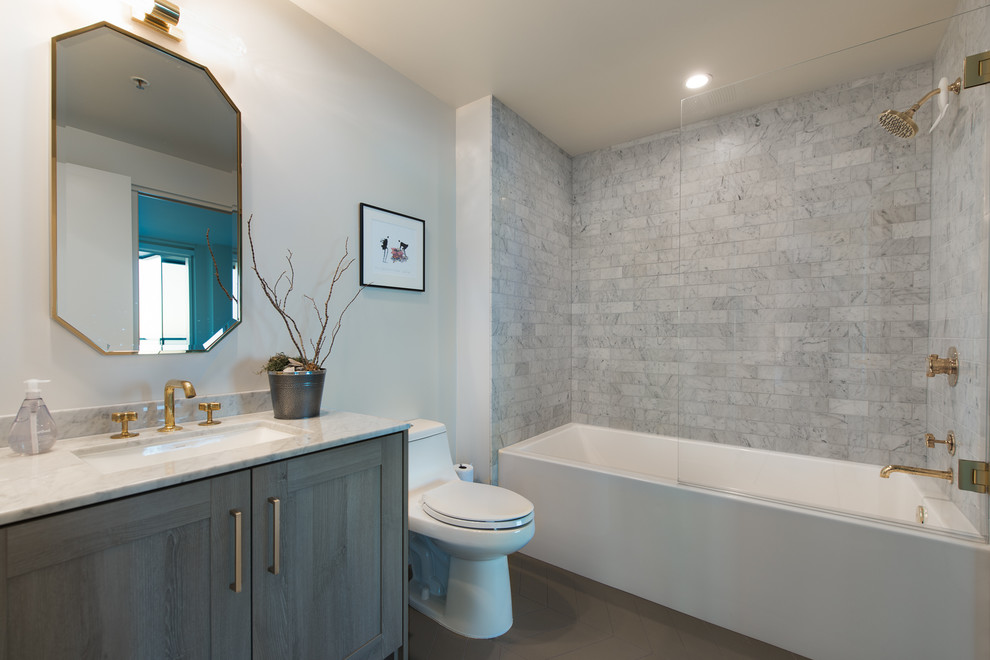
(379, 268)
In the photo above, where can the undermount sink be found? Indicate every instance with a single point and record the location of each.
(152, 448)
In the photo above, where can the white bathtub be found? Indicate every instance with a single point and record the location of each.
(859, 580)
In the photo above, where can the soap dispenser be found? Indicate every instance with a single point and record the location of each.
(33, 431)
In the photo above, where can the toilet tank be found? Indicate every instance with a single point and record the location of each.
(429, 454)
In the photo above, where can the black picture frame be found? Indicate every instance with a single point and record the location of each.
(393, 249)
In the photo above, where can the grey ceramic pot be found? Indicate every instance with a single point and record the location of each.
(296, 395)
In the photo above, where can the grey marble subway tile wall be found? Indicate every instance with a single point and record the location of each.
(761, 279)
(531, 275)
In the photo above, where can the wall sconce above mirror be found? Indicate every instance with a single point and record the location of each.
(161, 15)
(146, 159)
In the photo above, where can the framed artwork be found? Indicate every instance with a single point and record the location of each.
(393, 249)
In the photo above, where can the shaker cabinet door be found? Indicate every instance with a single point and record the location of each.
(328, 553)
(148, 576)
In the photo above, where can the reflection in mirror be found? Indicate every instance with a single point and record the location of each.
(147, 159)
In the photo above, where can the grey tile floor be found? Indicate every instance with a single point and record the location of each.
(564, 616)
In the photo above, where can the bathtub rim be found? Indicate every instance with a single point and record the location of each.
(520, 449)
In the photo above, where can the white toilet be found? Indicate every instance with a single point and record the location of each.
(460, 534)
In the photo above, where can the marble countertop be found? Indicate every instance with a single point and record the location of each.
(61, 479)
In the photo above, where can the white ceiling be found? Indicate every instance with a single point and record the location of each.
(594, 73)
(182, 112)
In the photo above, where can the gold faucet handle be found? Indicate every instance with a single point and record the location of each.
(124, 418)
(209, 409)
(947, 365)
(949, 442)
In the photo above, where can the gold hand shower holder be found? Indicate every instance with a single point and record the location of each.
(949, 442)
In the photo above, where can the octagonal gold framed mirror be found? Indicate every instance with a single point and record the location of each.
(146, 161)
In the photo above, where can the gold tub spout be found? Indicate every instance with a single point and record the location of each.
(921, 472)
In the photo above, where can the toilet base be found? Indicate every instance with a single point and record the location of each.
(478, 602)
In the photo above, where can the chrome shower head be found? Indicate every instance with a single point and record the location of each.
(902, 124)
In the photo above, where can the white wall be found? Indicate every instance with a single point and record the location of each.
(148, 169)
(474, 286)
(325, 127)
(88, 201)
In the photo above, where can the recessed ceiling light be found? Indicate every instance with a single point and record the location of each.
(698, 80)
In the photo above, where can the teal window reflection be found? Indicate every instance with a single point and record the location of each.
(181, 305)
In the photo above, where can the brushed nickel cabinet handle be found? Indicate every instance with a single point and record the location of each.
(237, 584)
(276, 520)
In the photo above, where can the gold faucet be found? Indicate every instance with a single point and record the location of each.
(170, 386)
(922, 472)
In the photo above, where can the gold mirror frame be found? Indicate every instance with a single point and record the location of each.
(211, 295)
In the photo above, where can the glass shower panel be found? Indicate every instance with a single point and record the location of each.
(821, 260)
(959, 258)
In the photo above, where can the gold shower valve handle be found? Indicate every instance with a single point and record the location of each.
(209, 408)
(947, 365)
(124, 418)
(949, 442)
(937, 365)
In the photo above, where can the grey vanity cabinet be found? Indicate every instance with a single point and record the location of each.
(155, 575)
(141, 577)
(329, 566)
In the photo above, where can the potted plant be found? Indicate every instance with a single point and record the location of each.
(296, 383)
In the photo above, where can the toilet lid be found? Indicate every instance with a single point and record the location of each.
(477, 506)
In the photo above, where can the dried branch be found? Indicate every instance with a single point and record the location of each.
(325, 317)
(272, 295)
(216, 269)
(336, 328)
(280, 305)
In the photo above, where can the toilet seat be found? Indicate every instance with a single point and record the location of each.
(477, 506)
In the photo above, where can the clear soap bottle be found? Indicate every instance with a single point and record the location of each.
(33, 431)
